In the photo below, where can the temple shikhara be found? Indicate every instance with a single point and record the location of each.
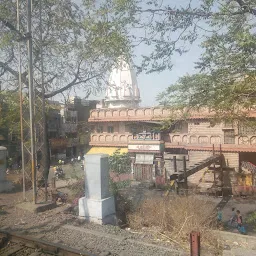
(119, 123)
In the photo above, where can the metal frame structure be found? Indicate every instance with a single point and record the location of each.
(32, 117)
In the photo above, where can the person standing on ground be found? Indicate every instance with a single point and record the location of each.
(240, 226)
(219, 216)
(233, 217)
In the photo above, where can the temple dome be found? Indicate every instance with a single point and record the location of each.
(122, 89)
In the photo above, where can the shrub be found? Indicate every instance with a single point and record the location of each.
(176, 217)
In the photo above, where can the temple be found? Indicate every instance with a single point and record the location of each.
(122, 89)
(119, 123)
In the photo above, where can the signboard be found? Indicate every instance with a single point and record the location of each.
(144, 147)
(144, 159)
(58, 143)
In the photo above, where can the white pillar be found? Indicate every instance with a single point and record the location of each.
(98, 205)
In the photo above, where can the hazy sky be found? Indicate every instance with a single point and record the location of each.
(152, 84)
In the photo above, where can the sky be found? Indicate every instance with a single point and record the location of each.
(151, 85)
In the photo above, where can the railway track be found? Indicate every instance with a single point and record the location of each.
(16, 244)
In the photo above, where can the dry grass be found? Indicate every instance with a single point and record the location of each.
(176, 217)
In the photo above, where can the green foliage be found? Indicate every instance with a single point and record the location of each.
(9, 111)
(120, 162)
(251, 220)
(225, 83)
(115, 187)
(81, 42)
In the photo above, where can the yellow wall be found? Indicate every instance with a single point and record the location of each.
(106, 150)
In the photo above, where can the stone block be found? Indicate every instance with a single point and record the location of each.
(96, 176)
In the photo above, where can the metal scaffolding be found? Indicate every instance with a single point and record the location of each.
(32, 116)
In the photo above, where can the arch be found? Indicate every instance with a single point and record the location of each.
(94, 138)
(253, 140)
(193, 139)
(140, 112)
(123, 113)
(94, 113)
(185, 139)
(123, 138)
(101, 138)
(102, 113)
(109, 138)
(131, 112)
(129, 138)
(148, 111)
(116, 113)
(203, 140)
(109, 113)
(215, 140)
(157, 111)
(115, 138)
(176, 138)
(243, 140)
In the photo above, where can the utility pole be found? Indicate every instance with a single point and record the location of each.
(21, 106)
(31, 99)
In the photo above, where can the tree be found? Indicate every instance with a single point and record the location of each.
(225, 81)
(79, 42)
(77, 45)
(120, 162)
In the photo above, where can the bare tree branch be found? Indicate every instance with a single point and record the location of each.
(71, 84)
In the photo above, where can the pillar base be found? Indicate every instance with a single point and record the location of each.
(100, 211)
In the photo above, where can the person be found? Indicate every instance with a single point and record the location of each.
(233, 218)
(240, 225)
(219, 216)
(79, 158)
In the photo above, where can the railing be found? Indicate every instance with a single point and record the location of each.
(110, 139)
(170, 140)
(129, 114)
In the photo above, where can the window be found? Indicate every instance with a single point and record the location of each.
(196, 123)
(100, 129)
(246, 129)
(229, 137)
(110, 129)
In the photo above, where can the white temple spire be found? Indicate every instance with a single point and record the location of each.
(122, 89)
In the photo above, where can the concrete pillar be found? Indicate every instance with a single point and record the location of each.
(4, 184)
(97, 205)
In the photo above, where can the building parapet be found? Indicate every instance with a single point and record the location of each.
(186, 141)
(147, 114)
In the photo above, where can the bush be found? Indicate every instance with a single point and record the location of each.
(176, 217)
(120, 162)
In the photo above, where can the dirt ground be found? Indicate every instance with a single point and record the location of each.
(57, 225)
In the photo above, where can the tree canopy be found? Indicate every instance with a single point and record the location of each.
(225, 81)
(80, 43)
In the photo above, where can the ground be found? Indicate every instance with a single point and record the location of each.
(61, 226)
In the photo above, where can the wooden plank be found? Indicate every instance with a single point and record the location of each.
(12, 250)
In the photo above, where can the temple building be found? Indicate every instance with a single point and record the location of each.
(119, 123)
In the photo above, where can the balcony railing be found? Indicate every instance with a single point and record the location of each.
(170, 140)
(129, 114)
(109, 139)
